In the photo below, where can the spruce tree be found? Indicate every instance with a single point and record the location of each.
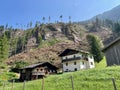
(4, 47)
(95, 47)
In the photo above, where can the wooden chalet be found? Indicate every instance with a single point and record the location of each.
(37, 71)
(112, 52)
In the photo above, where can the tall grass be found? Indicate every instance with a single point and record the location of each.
(99, 78)
(92, 79)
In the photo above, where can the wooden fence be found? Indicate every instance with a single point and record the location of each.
(24, 87)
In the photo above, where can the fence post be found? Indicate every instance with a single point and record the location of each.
(4, 85)
(43, 83)
(12, 85)
(72, 83)
(113, 80)
(24, 85)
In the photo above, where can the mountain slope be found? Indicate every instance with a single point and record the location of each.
(113, 14)
(55, 38)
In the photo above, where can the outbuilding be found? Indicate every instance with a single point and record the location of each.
(36, 71)
(112, 53)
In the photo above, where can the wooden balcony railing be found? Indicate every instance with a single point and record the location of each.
(38, 73)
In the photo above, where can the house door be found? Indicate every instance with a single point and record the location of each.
(75, 69)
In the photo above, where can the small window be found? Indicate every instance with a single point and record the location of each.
(66, 57)
(74, 63)
(82, 62)
(66, 64)
(37, 69)
(91, 63)
(66, 70)
(74, 56)
(86, 59)
(23, 71)
(75, 69)
(91, 57)
(82, 55)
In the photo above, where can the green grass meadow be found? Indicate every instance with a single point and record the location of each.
(99, 78)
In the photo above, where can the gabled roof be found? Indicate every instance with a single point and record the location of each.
(38, 64)
(68, 52)
(111, 44)
(71, 51)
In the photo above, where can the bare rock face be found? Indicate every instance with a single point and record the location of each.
(31, 43)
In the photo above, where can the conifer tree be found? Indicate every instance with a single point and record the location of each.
(4, 47)
(95, 47)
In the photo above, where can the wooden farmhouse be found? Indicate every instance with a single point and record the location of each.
(73, 60)
(112, 52)
(37, 71)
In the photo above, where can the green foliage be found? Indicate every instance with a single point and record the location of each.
(95, 47)
(39, 39)
(7, 76)
(8, 33)
(4, 48)
(108, 23)
(116, 28)
(48, 43)
(95, 25)
(14, 45)
(101, 64)
(1, 28)
(18, 65)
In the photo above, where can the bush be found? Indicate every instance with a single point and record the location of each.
(18, 66)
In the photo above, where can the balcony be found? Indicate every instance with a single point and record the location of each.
(38, 73)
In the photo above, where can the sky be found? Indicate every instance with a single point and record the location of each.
(24, 11)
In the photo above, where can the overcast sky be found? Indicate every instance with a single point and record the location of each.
(24, 11)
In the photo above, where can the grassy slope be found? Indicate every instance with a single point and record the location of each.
(102, 64)
(92, 79)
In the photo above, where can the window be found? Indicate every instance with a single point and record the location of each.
(82, 55)
(74, 63)
(74, 56)
(91, 63)
(66, 70)
(37, 69)
(75, 69)
(66, 57)
(86, 59)
(91, 57)
(66, 64)
(23, 71)
(82, 62)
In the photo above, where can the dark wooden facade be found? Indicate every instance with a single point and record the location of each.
(37, 71)
(112, 53)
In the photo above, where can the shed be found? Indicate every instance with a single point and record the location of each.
(112, 52)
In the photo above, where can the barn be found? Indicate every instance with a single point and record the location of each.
(36, 71)
(112, 53)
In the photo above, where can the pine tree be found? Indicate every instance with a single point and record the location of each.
(61, 17)
(4, 48)
(116, 28)
(69, 19)
(95, 47)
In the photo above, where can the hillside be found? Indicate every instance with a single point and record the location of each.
(45, 42)
(94, 79)
(113, 14)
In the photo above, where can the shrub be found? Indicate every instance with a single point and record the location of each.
(18, 66)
